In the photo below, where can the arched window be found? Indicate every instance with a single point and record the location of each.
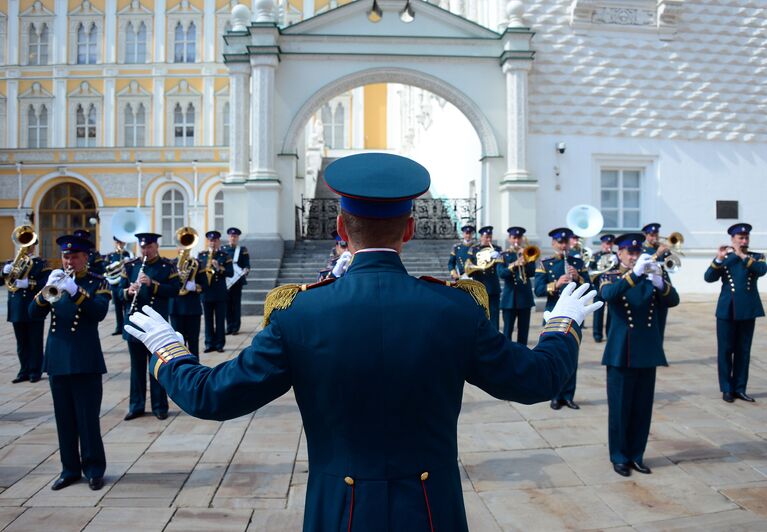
(135, 125)
(184, 42)
(135, 43)
(38, 45)
(172, 215)
(64, 208)
(218, 211)
(86, 44)
(334, 125)
(226, 122)
(85, 126)
(37, 127)
(183, 125)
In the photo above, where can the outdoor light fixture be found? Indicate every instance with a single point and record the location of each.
(407, 14)
(375, 14)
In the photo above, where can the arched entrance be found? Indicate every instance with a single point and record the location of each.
(64, 208)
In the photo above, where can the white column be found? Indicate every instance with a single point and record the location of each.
(516, 118)
(308, 9)
(109, 111)
(59, 122)
(158, 103)
(13, 33)
(12, 112)
(262, 117)
(160, 31)
(209, 31)
(209, 112)
(60, 32)
(110, 31)
(239, 109)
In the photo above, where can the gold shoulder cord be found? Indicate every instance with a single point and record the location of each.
(279, 298)
(477, 291)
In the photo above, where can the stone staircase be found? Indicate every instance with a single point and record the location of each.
(262, 278)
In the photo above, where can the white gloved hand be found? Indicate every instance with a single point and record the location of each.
(574, 304)
(7, 269)
(69, 285)
(55, 277)
(641, 264)
(190, 286)
(22, 283)
(342, 263)
(495, 254)
(657, 281)
(155, 333)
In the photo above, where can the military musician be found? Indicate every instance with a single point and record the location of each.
(115, 261)
(77, 300)
(517, 271)
(339, 260)
(96, 262)
(460, 253)
(241, 267)
(606, 250)
(149, 280)
(216, 266)
(553, 275)
(739, 305)
(654, 247)
(481, 266)
(634, 293)
(185, 308)
(24, 276)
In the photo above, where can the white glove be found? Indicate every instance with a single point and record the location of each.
(22, 283)
(657, 280)
(641, 264)
(55, 277)
(495, 254)
(573, 304)
(190, 286)
(156, 331)
(342, 263)
(7, 269)
(69, 285)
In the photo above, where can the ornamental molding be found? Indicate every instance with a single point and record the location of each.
(84, 90)
(36, 91)
(37, 9)
(135, 8)
(658, 17)
(85, 9)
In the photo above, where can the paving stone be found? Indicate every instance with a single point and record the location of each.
(8, 515)
(270, 485)
(540, 468)
(140, 485)
(726, 471)
(130, 519)
(201, 485)
(276, 520)
(567, 430)
(750, 497)
(38, 519)
(727, 521)
(498, 437)
(207, 519)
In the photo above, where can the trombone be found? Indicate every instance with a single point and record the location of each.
(529, 253)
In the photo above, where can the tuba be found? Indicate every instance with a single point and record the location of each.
(187, 238)
(25, 237)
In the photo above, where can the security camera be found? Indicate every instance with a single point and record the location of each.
(561, 147)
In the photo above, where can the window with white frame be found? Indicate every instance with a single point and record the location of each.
(334, 125)
(135, 125)
(37, 127)
(183, 125)
(85, 125)
(87, 41)
(184, 43)
(218, 211)
(38, 35)
(2, 38)
(226, 119)
(135, 42)
(172, 214)
(621, 195)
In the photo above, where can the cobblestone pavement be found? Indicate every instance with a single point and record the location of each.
(524, 467)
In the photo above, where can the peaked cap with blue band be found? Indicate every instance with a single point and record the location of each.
(468, 229)
(487, 230)
(739, 228)
(72, 243)
(377, 185)
(630, 241)
(233, 231)
(651, 228)
(147, 238)
(213, 235)
(607, 238)
(516, 231)
(561, 233)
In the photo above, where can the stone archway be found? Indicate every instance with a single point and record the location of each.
(64, 207)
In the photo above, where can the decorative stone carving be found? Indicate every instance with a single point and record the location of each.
(623, 16)
(264, 11)
(240, 18)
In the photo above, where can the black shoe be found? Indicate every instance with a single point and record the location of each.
(598, 339)
(641, 468)
(727, 397)
(116, 333)
(572, 404)
(555, 404)
(161, 415)
(234, 333)
(96, 483)
(622, 469)
(34, 378)
(208, 350)
(220, 349)
(20, 378)
(740, 395)
(132, 415)
(63, 482)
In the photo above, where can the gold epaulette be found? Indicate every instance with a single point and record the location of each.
(282, 297)
(475, 289)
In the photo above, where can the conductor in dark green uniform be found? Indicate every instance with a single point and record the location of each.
(517, 297)
(155, 280)
(606, 250)
(456, 264)
(96, 262)
(634, 293)
(75, 363)
(481, 266)
(380, 388)
(553, 275)
(115, 262)
(241, 266)
(739, 305)
(28, 329)
(215, 266)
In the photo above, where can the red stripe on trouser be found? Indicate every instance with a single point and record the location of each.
(428, 508)
(351, 510)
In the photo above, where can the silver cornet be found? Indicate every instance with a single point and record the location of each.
(53, 292)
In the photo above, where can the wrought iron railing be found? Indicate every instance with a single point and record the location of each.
(435, 219)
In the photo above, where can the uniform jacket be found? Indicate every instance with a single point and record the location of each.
(739, 297)
(593, 264)
(551, 269)
(164, 286)
(489, 277)
(73, 344)
(517, 292)
(188, 304)
(18, 301)
(634, 339)
(216, 290)
(379, 391)
(458, 257)
(96, 263)
(243, 262)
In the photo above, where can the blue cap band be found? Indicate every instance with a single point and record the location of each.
(376, 209)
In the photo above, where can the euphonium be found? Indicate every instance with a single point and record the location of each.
(53, 292)
(25, 237)
(187, 238)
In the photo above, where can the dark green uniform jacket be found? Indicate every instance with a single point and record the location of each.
(243, 261)
(552, 268)
(458, 257)
(164, 286)
(489, 277)
(19, 300)
(739, 298)
(216, 289)
(517, 292)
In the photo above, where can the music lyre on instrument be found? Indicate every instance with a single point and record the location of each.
(25, 237)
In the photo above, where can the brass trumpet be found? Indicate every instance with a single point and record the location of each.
(25, 237)
(529, 253)
(53, 292)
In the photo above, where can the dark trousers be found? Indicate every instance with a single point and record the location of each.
(76, 405)
(520, 315)
(734, 354)
(119, 312)
(29, 347)
(234, 309)
(599, 321)
(189, 327)
(630, 394)
(495, 310)
(139, 357)
(215, 316)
